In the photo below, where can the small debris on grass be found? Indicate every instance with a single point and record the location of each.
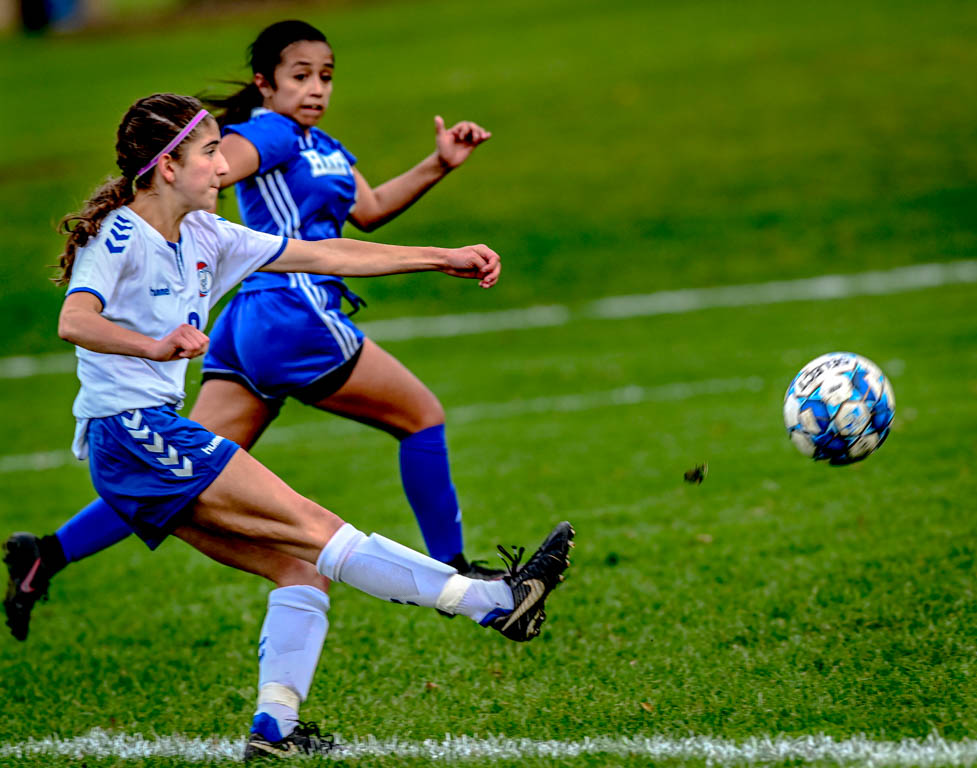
(697, 474)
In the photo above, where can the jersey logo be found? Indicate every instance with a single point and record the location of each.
(206, 277)
(333, 164)
(159, 291)
(119, 235)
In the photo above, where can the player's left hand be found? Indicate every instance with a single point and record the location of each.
(455, 144)
(475, 262)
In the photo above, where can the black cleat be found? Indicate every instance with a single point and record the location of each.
(304, 740)
(476, 570)
(27, 581)
(533, 582)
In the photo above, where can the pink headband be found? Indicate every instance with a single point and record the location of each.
(176, 140)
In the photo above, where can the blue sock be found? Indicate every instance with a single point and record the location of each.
(427, 482)
(267, 726)
(94, 528)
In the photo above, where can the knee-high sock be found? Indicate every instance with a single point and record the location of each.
(291, 640)
(94, 528)
(388, 570)
(426, 475)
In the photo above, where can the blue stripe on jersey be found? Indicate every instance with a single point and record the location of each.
(304, 187)
(92, 291)
(279, 252)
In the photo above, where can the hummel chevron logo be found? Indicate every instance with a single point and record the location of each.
(167, 461)
(536, 590)
(119, 235)
(134, 426)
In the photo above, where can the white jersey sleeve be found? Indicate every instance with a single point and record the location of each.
(238, 251)
(100, 270)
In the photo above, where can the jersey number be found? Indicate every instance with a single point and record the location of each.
(194, 320)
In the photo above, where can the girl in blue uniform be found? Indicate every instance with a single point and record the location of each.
(288, 335)
(144, 265)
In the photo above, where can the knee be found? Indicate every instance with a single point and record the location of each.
(429, 413)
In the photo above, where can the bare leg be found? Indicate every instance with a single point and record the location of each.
(249, 501)
(231, 410)
(383, 393)
(283, 570)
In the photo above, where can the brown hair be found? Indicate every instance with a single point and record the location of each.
(146, 128)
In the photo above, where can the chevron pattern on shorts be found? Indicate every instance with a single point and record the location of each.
(153, 442)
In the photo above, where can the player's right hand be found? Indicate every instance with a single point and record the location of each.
(185, 341)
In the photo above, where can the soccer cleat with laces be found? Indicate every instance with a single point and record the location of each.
(304, 740)
(532, 583)
(478, 569)
(27, 581)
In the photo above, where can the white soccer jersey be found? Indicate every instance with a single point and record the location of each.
(152, 286)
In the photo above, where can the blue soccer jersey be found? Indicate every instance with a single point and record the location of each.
(304, 187)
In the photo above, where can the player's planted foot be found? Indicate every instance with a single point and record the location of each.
(27, 581)
(304, 740)
(532, 583)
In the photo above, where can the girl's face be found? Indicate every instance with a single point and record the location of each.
(303, 80)
(197, 175)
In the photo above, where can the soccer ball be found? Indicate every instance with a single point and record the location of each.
(839, 408)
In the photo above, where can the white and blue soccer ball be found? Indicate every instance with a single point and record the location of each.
(839, 408)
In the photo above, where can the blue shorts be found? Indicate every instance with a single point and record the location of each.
(286, 342)
(151, 464)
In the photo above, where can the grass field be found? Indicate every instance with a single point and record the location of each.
(638, 147)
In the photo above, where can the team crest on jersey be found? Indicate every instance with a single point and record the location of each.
(206, 277)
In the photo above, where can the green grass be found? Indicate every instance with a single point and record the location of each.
(637, 147)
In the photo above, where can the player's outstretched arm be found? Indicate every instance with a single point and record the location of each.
(377, 206)
(357, 258)
(82, 324)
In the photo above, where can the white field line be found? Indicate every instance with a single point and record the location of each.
(858, 750)
(463, 414)
(822, 288)
(899, 280)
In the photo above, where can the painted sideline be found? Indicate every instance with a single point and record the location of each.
(463, 414)
(858, 750)
(877, 283)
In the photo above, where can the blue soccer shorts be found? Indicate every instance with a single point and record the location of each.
(286, 342)
(151, 464)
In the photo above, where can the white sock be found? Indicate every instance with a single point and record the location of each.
(383, 568)
(291, 640)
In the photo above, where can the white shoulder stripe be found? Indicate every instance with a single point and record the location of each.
(289, 201)
(270, 205)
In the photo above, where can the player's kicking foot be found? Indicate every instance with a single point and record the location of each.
(478, 570)
(532, 583)
(27, 581)
(304, 740)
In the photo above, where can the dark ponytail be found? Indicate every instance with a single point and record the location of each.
(264, 54)
(148, 126)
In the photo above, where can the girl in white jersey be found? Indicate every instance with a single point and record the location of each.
(144, 264)
(293, 178)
